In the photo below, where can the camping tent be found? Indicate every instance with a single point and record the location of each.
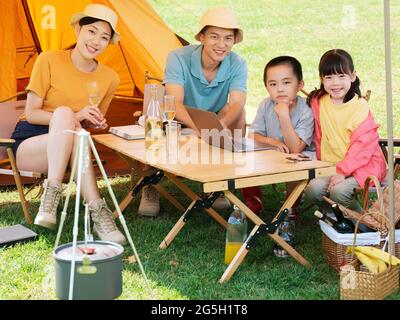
(28, 27)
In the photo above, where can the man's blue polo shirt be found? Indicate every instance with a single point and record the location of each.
(184, 68)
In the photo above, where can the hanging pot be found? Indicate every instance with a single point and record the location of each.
(98, 270)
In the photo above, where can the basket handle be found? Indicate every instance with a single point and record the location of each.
(378, 191)
(356, 229)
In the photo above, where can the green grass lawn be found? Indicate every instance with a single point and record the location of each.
(189, 269)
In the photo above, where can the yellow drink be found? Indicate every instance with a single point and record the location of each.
(231, 248)
(94, 100)
(153, 133)
(169, 115)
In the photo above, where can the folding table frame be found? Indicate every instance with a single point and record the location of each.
(270, 167)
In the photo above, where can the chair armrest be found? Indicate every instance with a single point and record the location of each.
(384, 142)
(6, 142)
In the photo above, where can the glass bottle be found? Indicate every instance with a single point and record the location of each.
(343, 224)
(328, 220)
(153, 123)
(236, 233)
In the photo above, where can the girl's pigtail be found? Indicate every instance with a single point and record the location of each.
(354, 90)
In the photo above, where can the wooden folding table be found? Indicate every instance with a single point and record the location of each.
(219, 171)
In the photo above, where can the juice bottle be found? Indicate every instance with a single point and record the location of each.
(236, 233)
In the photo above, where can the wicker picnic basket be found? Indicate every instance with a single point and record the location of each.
(334, 252)
(361, 285)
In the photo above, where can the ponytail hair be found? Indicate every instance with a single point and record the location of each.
(336, 61)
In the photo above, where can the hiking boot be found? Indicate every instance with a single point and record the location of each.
(104, 223)
(221, 203)
(149, 202)
(47, 215)
(252, 199)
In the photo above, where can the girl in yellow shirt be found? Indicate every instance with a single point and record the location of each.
(345, 133)
(57, 101)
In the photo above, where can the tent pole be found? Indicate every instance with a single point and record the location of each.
(31, 26)
(389, 115)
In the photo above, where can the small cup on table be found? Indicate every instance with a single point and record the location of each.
(172, 132)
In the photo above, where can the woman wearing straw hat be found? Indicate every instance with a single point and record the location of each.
(58, 100)
(207, 76)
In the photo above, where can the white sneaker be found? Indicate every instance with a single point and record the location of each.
(221, 203)
(149, 202)
(104, 223)
(47, 215)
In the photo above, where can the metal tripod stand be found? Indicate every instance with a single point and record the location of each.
(81, 159)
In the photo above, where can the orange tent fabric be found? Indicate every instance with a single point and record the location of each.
(28, 27)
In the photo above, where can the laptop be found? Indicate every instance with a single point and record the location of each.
(219, 136)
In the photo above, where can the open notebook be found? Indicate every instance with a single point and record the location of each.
(131, 132)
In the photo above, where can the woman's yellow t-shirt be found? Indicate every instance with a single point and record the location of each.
(337, 124)
(55, 79)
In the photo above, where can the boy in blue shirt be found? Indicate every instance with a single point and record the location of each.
(283, 120)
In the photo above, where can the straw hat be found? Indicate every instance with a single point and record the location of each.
(222, 18)
(101, 12)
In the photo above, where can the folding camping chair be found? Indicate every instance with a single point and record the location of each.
(10, 112)
(362, 193)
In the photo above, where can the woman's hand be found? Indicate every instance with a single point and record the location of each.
(334, 180)
(86, 124)
(92, 116)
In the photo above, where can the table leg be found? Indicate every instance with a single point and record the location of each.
(192, 195)
(292, 198)
(129, 197)
(169, 197)
(237, 259)
(241, 254)
(175, 229)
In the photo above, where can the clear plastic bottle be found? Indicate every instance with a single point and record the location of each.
(286, 228)
(236, 233)
(153, 123)
(286, 232)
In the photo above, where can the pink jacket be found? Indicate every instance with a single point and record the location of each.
(364, 156)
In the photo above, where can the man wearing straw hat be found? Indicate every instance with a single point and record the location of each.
(208, 76)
